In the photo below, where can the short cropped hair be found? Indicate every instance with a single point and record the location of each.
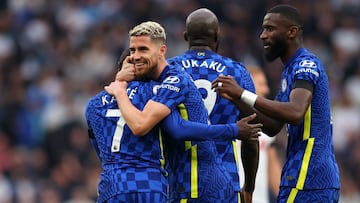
(150, 28)
(289, 12)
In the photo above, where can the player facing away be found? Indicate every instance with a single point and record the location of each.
(133, 166)
(197, 174)
(204, 65)
(310, 173)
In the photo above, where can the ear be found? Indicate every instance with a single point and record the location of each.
(293, 31)
(163, 49)
(185, 36)
(216, 42)
(217, 37)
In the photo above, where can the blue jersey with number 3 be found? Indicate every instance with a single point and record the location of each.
(204, 67)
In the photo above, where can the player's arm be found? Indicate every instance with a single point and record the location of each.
(181, 129)
(291, 112)
(140, 122)
(250, 161)
(273, 114)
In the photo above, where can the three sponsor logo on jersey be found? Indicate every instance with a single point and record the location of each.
(168, 83)
(308, 66)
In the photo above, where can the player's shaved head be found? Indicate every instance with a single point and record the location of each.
(202, 28)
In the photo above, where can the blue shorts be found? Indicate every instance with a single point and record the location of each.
(293, 195)
(140, 197)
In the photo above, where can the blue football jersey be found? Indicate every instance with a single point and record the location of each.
(204, 67)
(195, 170)
(310, 161)
(130, 163)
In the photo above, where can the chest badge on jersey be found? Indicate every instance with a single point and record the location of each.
(283, 85)
(155, 89)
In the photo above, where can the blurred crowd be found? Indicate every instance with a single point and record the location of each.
(55, 55)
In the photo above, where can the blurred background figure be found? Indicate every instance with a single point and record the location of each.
(45, 77)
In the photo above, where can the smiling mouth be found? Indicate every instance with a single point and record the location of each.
(139, 65)
(266, 46)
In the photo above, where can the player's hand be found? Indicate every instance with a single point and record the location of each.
(127, 72)
(227, 87)
(247, 197)
(116, 88)
(249, 131)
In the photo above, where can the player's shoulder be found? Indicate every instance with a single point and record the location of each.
(174, 69)
(99, 99)
(236, 66)
(306, 58)
(96, 97)
(94, 104)
(177, 60)
(175, 75)
(174, 59)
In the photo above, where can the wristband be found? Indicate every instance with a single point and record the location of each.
(248, 98)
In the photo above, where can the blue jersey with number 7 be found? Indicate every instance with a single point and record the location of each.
(130, 163)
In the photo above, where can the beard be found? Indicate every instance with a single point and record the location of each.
(142, 78)
(277, 49)
(147, 74)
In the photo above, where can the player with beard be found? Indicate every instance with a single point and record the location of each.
(310, 173)
(196, 173)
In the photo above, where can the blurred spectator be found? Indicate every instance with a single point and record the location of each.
(270, 164)
(346, 118)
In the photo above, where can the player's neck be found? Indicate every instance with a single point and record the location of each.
(201, 48)
(159, 69)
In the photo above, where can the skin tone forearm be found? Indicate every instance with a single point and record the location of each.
(118, 89)
(270, 126)
(140, 122)
(291, 112)
(272, 114)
